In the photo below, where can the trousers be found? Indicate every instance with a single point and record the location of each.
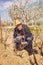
(27, 48)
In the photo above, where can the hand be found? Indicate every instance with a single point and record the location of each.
(23, 36)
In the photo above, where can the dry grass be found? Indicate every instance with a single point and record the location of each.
(9, 57)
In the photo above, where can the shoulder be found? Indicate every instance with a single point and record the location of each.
(25, 26)
(15, 29)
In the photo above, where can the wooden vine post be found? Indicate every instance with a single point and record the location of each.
(0, 30)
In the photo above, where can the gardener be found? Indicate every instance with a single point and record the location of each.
(22, 32)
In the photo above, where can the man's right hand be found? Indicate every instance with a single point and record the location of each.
(23, 36)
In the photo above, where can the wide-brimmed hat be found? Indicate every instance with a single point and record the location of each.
(17, 22)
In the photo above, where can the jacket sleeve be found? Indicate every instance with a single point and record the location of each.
(28, 33)
(15, 34)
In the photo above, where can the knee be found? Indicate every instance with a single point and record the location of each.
(29, 40)
(17, 40)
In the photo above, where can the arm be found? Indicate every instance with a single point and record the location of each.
(17, 39)
(28, 33)
(15, 33)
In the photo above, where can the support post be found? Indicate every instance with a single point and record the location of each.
(0, 30)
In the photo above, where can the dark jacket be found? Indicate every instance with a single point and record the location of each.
(25, 31)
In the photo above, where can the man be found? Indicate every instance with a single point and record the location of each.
(21, 33)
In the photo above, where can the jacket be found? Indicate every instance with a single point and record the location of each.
(25, 31)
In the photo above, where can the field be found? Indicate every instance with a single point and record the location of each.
(10, 57)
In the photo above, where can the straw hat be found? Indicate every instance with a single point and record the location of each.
(17, 22)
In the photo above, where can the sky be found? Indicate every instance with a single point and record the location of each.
(4, 4)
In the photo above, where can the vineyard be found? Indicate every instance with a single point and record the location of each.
(31, 16)
(7, 48)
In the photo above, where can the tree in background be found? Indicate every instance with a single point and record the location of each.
(25, 10)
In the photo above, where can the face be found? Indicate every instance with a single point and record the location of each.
(20, 27)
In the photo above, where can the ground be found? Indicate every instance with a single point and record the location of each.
(9, 57)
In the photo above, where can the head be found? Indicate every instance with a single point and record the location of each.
(19, 27)
(18, 24)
